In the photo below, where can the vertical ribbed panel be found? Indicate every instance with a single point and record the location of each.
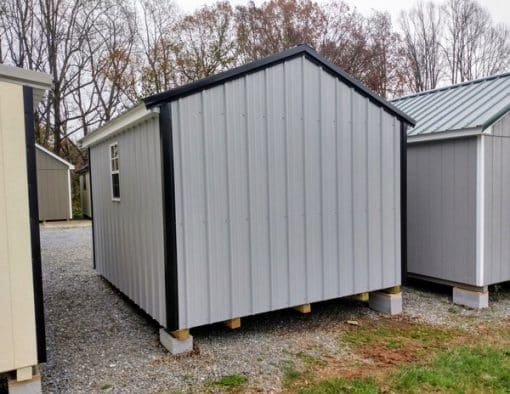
(441, 209)
(129, 234)
(287, 192)
(497, 209)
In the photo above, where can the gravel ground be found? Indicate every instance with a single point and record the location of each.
(97, 341)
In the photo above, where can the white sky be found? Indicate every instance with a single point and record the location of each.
(499, 9)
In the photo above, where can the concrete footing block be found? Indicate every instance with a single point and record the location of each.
(30, 386)
(471, 298)
(174, 345)
(390, 304)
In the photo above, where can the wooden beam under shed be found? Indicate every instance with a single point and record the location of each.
(361, 297)
(233, 324)
(181, 335)
(305, 308)
(393, 290)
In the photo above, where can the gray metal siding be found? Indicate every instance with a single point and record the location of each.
(52, 188)
(497, 207)
(441, 210)
(287, 192)
(128, 235)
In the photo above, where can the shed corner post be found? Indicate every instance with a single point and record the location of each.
(91, 209)
(169, 218)
(28, 104)
(403, 201)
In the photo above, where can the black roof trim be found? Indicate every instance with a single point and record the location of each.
(300, 50)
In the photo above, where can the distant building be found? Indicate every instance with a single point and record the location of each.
(85, 201)
(53, 186)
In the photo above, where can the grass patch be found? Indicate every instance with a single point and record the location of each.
(462, 369)
(308, 359)
(340, 385)
(231, 381)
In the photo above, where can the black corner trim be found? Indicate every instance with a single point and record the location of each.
(28, 102)
(403, 199)
(300, 50)
(91, 210)
(170, 231)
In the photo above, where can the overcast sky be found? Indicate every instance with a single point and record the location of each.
(499, 9)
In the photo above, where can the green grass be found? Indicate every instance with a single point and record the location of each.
(462, 369)
(340, 385)
(459, 370)
(231, 380)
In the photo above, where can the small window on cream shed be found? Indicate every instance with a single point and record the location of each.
(114, 171)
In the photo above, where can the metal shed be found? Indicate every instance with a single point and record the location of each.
(22, 340)
(53, 186)
(458, 185)
(272, 185)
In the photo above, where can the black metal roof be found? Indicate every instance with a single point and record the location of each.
(300, 50)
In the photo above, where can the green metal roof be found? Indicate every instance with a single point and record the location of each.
(466, 106)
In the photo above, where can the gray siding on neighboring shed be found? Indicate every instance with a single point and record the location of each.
(54, 197)
(441, 209)
(128, 235)
(497, 203)
(287, 192)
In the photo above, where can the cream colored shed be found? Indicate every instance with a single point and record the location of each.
(53, 186)
(22, 343)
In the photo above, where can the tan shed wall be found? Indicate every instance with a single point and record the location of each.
(86, 207)
(53, 192)
(17, 321)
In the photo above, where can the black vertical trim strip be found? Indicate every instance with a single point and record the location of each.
(28, 102)
(91, 210)
(403, 199)
(170, 233)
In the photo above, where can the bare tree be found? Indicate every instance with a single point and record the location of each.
(422, 28)
(472, 45)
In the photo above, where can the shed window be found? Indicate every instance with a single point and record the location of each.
(114, 170)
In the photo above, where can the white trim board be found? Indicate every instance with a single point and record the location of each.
(480, 210)
(438, 136)
(43, 149)
(127, 120)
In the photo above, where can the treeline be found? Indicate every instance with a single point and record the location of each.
(104, 55)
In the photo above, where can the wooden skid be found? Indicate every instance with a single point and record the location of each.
(233, 324)
(305, 308)
(181, 335)
(393, 290)
(360, 297)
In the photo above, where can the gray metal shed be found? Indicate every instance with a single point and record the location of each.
(272, 185)
(458, 185)
(54, 194)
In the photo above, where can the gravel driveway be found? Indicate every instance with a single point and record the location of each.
(97, 341)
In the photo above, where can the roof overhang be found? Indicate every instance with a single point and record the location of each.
(56, 157)
(127, 120)
(39, 81)
(445, 135)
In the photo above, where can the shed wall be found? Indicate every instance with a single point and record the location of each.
(86, 207)
(496, 148)
(128, 234)
(17, 313)
(287, 192)
(53, 188)
(441, 209)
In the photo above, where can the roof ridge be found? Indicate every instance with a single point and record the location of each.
(454, 86)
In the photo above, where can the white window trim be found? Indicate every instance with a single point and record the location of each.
(112, 171)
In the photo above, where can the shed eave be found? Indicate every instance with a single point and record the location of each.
(128, 119)
(444, 135)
